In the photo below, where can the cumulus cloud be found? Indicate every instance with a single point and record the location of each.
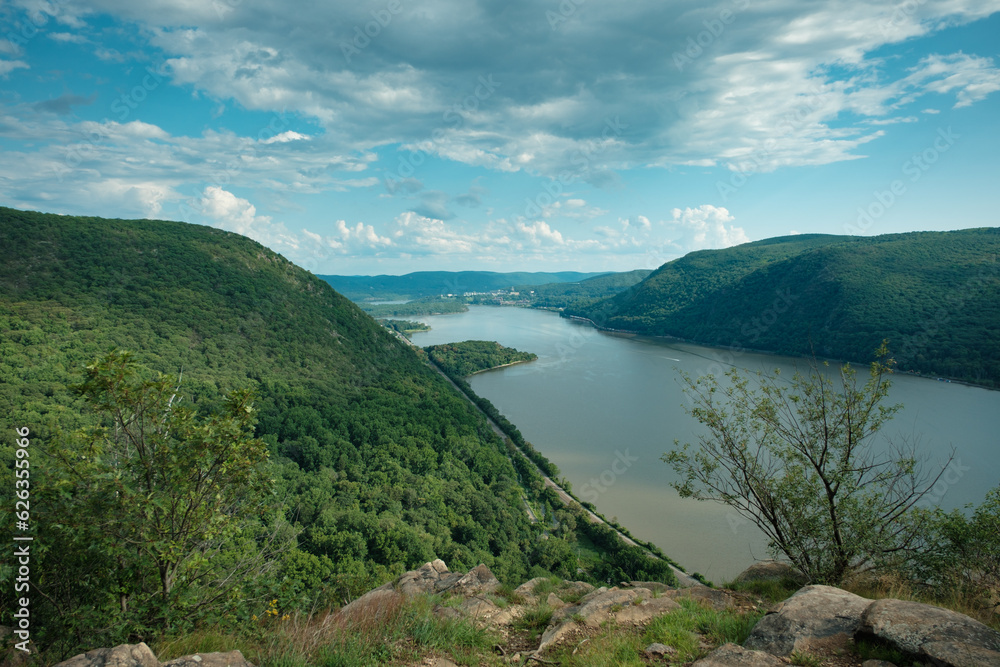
(8, 66)
(579, 98)
(704, 227)
(235, 214)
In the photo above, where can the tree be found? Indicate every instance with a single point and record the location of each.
(171, 497)
(800, 460)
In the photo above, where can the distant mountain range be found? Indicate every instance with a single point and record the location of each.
(934, 295)
(434, 283)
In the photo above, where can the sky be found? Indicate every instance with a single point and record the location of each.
(389, 136)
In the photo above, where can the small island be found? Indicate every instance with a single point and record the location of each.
(475, 356)
(405, 327)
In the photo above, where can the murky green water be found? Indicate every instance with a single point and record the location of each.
(591, 396)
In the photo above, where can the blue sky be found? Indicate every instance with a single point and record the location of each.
(394, 135)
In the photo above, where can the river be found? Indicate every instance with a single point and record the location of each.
(605, 407)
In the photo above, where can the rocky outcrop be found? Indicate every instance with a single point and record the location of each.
(126, 655)
(629, 605)
(139, 655)
(930, 633)
(817, 621)
(815, 618)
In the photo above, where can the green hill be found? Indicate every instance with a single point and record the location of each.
(378, 462)
(934, 295)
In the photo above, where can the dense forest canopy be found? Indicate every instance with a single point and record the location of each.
(378, 463)
(475, 356)
(934, 295)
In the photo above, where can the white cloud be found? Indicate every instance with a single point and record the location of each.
(539, 233)
(8, 66)
(703, 228)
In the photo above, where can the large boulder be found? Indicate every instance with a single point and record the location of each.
(125, 655)
(771, 570)
(946, 638)
(433, 577)
(816, 618)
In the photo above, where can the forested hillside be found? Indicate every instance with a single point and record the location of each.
(934, 295)
(474, 356)
(376, 460)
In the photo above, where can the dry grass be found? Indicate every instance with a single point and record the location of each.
(877, 587)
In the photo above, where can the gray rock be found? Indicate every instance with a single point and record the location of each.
(654, 586)
(646, 610)
(372, 605)
(527, 589)
(230, 659)
(878, 663)
(947, 637)
(730, 655)
(554, 601)
(604, 604)
(815, 618)
(476, 581)
(771, 570)
(125, 655)
(658, 650)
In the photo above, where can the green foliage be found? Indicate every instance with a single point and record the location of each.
(474, 356)
(931, 294)
(425, 306)
(682, 628)
(797, 460)
(959, 555)
(534, 620)
(805, 659)
(380, 464)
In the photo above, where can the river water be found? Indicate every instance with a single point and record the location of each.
(605, 407)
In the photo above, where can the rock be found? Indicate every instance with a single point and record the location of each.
(230, 659)
(433, 577)
(654, 586)
(771, 570)
(877, 663)
(476, 581)
(372, 605)
(731, 655)
(425, 578)
(946, 637)
(604, 604)
(125, 655)
(553, 601)
(659, 650)
(527, 589)
(646, 610)
(816, 618)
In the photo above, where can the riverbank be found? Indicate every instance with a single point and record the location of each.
(738, 350)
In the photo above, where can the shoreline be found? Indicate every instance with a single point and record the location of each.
(739, 350)
(513, 363)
